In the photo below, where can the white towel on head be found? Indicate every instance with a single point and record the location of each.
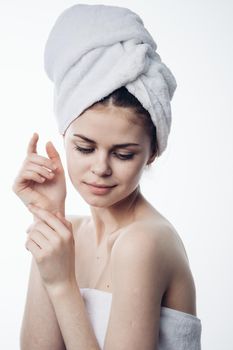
(93, 50)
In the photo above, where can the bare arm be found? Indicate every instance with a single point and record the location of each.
(73, 318)
(140, 274)
(40, 181)
(64, 295)
(39, 329)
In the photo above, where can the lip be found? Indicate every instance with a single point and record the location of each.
(98, 189)
(99, 186)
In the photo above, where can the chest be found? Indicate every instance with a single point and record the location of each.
(93, 266)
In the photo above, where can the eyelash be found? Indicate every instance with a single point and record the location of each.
(86, 151)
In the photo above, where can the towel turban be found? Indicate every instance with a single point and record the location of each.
(93, 50)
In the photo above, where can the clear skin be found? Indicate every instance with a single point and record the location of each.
(102, 164)
(50, 237)
(59, 318)
(41, 180)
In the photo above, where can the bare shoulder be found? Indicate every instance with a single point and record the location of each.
(158, 235)
(158, 241)
(147, 241)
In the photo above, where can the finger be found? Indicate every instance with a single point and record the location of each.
(31, 175)
(46, 231)
(50, 219)
(33, 248)
(30, 227)
(34, 226)
(40, 170)
(32, 144)
(51, 151)
(38, 238)
(53, 154)
(40, 160)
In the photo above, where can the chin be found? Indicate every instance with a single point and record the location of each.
(106, 200)
(99, 201)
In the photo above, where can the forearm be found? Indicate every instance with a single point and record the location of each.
(39, 329)
(72, 318)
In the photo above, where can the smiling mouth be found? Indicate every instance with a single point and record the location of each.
(99, 190)
(100, 186)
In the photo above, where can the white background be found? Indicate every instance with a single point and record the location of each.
(192, 183)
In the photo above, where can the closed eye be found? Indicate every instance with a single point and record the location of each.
(121, 156)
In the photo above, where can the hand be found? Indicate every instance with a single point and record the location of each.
(38, 182)
(51, 242)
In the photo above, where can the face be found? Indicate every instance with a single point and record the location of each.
(106, 146)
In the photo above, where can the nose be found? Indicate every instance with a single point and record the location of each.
(101, 166)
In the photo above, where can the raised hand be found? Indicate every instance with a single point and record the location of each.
(41, 180)
(51, 242)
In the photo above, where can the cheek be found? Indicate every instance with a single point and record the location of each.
(78, 167)
(75, 166)
(131, 171)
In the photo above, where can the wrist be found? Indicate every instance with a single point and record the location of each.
(57, 208)
(51, 210)
(62, 289)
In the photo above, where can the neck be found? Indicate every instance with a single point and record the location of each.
(108, 220)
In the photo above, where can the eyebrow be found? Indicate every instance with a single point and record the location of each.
(116, 145)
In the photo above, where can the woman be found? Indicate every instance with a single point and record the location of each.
(119, 279)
